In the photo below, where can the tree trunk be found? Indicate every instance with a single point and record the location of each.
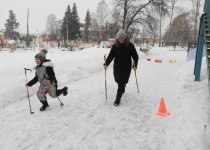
(172, 11)
(125, 14)
(196, 19)
(160, 37)
(154, 39)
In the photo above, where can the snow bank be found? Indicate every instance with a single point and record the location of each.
(69, 67)
(88, 122)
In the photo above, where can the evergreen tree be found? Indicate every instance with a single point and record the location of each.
(71, 23)
(11, 26)
(67, 19)
(75, 30)
(87, 26)
(63, 28)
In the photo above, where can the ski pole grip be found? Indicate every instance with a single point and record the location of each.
(27, 69)
(105, 59)
(133, 64)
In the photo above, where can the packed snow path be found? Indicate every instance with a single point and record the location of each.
(88, 122)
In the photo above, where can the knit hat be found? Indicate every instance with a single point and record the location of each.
(121, 34)
(41, 55)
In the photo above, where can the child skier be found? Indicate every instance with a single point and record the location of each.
(45, 75)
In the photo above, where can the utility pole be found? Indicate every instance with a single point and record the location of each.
(106, 32)
(27, 42)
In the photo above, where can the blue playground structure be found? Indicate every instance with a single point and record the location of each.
(203, 40)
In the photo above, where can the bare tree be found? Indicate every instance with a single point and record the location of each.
(151, 25)
(94, 21)
(130, 12)
(162, 8)
(179, 31)
(173, 8)
(51, 25)
(101, 15)
(196, 12)
(102, 12)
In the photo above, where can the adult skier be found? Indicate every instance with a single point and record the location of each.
(122, 52)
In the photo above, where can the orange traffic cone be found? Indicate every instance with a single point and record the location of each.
(162, 109)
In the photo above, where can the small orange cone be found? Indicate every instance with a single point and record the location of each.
(158, 60)
(170, 61)
(162, 109)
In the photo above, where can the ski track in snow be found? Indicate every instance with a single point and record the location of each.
(88, 122)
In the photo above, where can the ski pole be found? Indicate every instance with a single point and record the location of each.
(51, 88)
(27, 89)
(134, 68)
(60, 101)
(105, 77)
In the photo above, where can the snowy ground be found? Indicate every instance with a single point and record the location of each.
(88, 122)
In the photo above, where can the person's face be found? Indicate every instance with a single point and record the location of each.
(121, 40)
(38, 61)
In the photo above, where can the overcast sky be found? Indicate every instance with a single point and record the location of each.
(40, 9)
